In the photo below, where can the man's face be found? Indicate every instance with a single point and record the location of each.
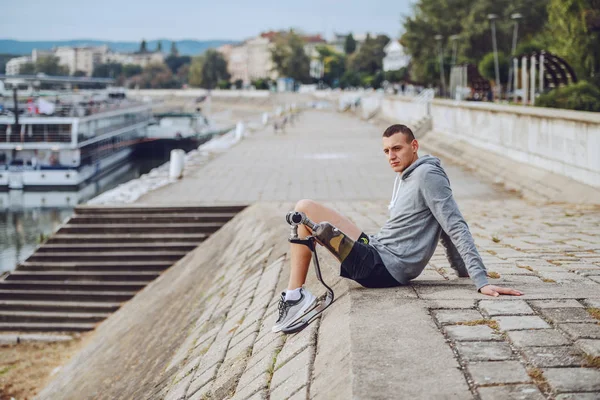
(399, 152)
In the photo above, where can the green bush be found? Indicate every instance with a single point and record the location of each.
(582, 96)
(487, 67)
(223, 84)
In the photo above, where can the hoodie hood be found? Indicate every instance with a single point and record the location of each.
(426, 159)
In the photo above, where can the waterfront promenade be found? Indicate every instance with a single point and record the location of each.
(202, 330)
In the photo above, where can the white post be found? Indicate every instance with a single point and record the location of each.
(515, 77)
(525, 81)
(176, 164)
(533, 81)
(542, 73)
(265, 118)
(239, 130)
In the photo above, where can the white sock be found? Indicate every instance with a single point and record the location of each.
(293, 294)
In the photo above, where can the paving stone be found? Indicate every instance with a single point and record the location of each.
(301, 394)
(558, 315)
(246, 390)
(590, 347)
(471, 333)
(446, 317)
(200, 380)
(578, 396)
(437, 304)
(484, 351)
(511, 392)
(573, 379)
(557, 356)
(538, 337)
(505, 307)
(499, 372)
(293, 375)
(517, 323)
(577, 331)
(567, 303)
(296, 344)
(178, 390)
(593, 303)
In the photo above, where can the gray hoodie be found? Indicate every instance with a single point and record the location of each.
(422, 212)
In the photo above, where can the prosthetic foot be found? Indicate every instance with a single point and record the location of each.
(335, 241)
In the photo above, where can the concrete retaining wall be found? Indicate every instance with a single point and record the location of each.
(250, 94)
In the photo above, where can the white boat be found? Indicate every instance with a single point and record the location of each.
(64, 140)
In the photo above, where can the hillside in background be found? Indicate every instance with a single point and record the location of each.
(185, 47)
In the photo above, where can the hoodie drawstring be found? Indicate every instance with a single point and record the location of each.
(397, 184)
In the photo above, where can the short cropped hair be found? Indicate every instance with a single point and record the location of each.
(399, 128)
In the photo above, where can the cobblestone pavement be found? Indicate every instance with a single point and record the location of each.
(544, 345)
(437, 338)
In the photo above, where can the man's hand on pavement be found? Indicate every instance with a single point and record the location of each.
(496, 291)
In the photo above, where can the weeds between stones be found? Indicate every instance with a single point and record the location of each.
(493, 275)
(594, 312)
(488, 322)
(548, 280)
(527, 267)
(495, 239)
(590, 361)
(539, 379)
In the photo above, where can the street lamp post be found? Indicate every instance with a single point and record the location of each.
(516, 17)
(492, 18)
(454, 39)
(442, 75)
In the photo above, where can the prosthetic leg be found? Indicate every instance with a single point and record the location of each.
(335, 241)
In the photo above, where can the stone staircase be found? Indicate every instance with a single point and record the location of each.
(99, 259)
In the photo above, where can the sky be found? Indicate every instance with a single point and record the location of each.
(133, 20)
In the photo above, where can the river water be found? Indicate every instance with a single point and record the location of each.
(25, 216)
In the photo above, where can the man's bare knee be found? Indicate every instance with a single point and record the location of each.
(306, 205)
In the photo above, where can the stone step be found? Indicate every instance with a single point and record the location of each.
(124, 256)
(46, 327)
(129, 266)
(65, 276)
(150, 218)
(98, 286)
(116, 238)
(58, 306)
(192, 227)
(116, 247)
(62, 295)
(51, 317)
(143, 209)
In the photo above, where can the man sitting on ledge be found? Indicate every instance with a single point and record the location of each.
(422, 211)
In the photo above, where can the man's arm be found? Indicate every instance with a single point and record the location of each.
(453, 256)
(437, 193)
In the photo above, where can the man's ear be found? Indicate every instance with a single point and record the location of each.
(415, 146)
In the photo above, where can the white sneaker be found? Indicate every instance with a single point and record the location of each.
(290, 311)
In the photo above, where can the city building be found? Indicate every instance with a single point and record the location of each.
(395, 57)
(141, 59)
(13, 66)
(81, 58)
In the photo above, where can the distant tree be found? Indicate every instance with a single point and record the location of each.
(183, 73)
(175, 62)
(238, 84)
(174, 51)
(130, 70)
(79, 73)
(159, 46)
(110, 70)
(49, 65)
(574, 26)
(27, 69)
(397, 76)
(289, 58)
(334, 65)
(143, 47)
(349, 44)
(207, 70)
(369, 58)
(261, 84)
(155, 76)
